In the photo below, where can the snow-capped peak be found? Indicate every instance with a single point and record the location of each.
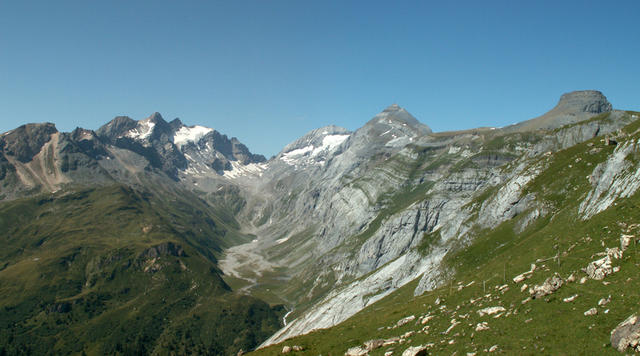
(143, 130)
(189, 134)
(329, 142)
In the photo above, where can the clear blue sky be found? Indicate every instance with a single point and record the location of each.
(269, 71)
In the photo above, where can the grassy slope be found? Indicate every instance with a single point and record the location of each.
(78, 273)
(547, 325)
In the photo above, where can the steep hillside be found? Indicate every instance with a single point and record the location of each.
(348, 225)
(557, 283)
(115, 270)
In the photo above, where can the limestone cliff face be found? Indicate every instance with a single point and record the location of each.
(388, 210)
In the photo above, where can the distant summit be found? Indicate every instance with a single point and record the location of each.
(572, 107)
(394, 115)
(588, 101)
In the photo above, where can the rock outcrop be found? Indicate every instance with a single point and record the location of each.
(627, 335)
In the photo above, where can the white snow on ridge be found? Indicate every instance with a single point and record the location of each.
(332, 141)
(291, 156)
(189, 134)
(142, 131)
(329, 142)
(299, 151)
(238, 170)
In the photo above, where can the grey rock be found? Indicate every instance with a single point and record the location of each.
(549, 286)
(415, 351)
(627, 334)
(371, 345)
(572, 107)
(356, 351)
(26, 141)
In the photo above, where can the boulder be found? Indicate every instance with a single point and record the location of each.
(625, 241)
(627, 334)
(403, 321)
(549, 286)
(415, 351)
(491, 310)
(482, 326)
(599, 269)
(286, 349)
(356, 351)
(373, 344)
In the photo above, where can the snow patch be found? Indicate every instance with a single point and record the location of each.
(189, 134)
(239, 170)
(142, 131)
(329, 142)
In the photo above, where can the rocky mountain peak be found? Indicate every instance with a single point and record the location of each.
(116, 127)
(572, 107)
(156, 117)
(315, 137)
(26, 141)
(314, 147)
(393, 127)
(590, 101)
(396, 114)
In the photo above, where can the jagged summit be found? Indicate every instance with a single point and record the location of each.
(572, 107)
(156, 116)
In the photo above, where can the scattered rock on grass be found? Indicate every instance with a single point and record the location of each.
(592, 311)
(482, 326)
(602, 302)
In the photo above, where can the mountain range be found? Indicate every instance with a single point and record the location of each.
(155, 237)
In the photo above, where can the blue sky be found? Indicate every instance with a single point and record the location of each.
(269, 71)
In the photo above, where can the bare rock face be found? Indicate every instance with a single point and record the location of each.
(627, 334)
(591, 101)
(573, 107)
(26, 141)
